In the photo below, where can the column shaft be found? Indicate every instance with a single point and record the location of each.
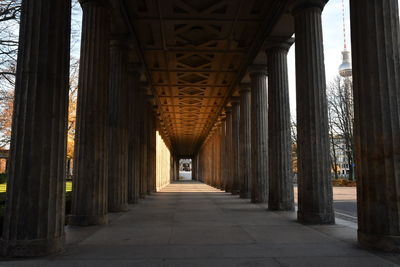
(143, 142)
(259, 136)
(118, 139)
(223, 155)
(134, 146)
(376, 78)
(235, 148)
(314, 178)
(34, 217)
(245, 143)
(228, 149)
(280, 164)
(89, 203)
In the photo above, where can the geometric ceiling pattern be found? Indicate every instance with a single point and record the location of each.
(194, 51)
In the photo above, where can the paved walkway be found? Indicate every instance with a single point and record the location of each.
(192, 224)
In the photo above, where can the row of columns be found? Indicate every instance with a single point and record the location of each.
(377, 127)
(246, 168)
(115, 144)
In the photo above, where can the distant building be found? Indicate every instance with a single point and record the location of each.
(185, 165)
(339, 150)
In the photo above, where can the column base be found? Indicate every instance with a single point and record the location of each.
(257, 201)
(245, 195)
(87, 220)
(31, 248)
(387, 243)
(235, 192)
(315, 218)
(142, 196)
(281, 207)
(121, 208)
(133, 201)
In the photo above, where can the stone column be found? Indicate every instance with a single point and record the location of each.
(259, 135)
(245, 141)
(235, 147)
(228, 150)
(89, 203)
(34, 217)
(376, 80)
(118, 139)
(218, 155)
(223, 154)
(134, 148)
(151, 150)
(314, 177)
(143, 143)
(194, 169)
(280, 164)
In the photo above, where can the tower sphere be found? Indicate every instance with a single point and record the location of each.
(345, 67)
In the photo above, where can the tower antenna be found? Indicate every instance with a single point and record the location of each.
(344, 26)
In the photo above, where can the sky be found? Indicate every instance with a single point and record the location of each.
(332, 27)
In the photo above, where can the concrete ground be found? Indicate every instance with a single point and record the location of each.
(192, 224)
(185, 175)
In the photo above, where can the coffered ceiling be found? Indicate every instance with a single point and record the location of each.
(195, 53)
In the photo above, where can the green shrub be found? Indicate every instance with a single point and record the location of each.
(3, 178)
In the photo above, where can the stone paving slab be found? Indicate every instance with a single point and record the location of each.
(192, 224)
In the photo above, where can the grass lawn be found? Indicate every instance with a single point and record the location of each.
(68, 187)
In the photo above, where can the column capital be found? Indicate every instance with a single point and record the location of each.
(135, 67)
(228, 110)
(244, 87)
(234, 101)
(96, 2)
(296, 6)
(281, 43)
(257, 70)
(119, 41)
(151, 100)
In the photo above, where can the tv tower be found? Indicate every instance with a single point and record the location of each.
(346, 72)
(345, 68)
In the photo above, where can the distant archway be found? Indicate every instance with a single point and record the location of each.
(185, 169)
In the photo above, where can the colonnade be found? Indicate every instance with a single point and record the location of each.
(34, 218)
(265, 147)
(115, 144)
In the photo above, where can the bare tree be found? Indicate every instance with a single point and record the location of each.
(341, 117)
(9, 26)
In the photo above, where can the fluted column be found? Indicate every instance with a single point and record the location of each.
(118, 139)
(314, 178)
(259, 135)
(228, 150)
(143, 143)
(89, 203)
(245, 142)
(34, 217)
(134, 145)
(235, 147)
(151, 140)
(279, 140)
(223, 157)
(219, 155)
(376, 82)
